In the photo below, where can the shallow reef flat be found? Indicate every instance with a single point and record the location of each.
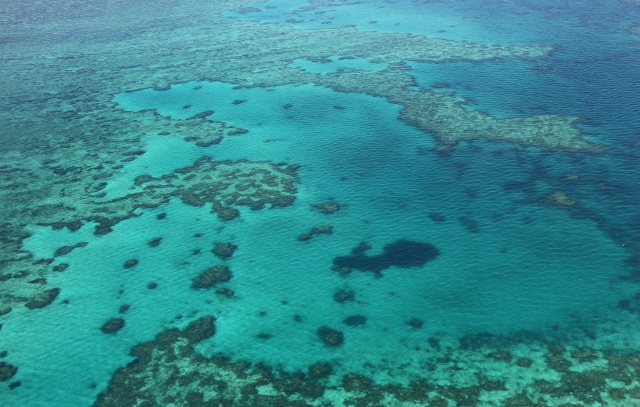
(64, 187)
(444, 116)
(474, 370)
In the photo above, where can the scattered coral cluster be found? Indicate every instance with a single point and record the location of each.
(65, 187)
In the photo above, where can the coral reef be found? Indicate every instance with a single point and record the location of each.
(560, 198)
(64, 250)
(130, 263)
(463, 377)
(63, 140)
(320, 369)
(318, 230)
(211, 277)
(326, 207)
(42, 298)
(330, 337)
(355, 320)
(343, 296)
(224, 251)
(112, 325)
(205, 182)
(7, 371)
(155, 242)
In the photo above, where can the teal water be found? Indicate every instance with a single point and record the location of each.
(510, 264)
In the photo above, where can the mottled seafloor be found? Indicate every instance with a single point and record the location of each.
(322, 203)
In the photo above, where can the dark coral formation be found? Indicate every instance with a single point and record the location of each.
(7, 371)
(416, 323)
(330, 337)
(327, 207)
(60, 267)
(343, 296)
(125, 388)
(355, 320)
(211, 277)
(64, 250)
(43, 298)
(155, 242)
(401, 253)
(320, 369)
(112, 325)
(130, 263)
(230, 383)
(224, 251)
(318, 230)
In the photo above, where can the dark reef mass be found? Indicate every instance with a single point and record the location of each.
(401, 253)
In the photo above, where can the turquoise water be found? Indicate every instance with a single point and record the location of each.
(509, 263)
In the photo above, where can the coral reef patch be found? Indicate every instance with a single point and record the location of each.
(112, 325)
(330, 337)
(317, 230)
(212, 277)
(224, 251)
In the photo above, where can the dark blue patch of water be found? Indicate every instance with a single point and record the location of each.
(401, 253)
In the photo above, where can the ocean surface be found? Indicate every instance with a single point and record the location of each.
(407, 271)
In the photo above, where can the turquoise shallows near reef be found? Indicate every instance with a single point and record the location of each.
(396, 271)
